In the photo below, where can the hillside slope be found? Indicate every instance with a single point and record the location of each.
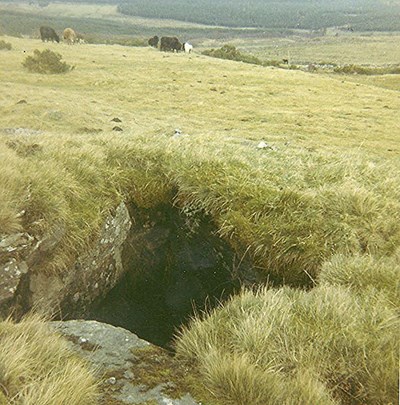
(318, 207)
(327, 135)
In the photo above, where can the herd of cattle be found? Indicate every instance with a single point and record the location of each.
(167, 44)
(170, 44)
(69, 36)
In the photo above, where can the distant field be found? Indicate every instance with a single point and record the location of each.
(391, 82)
(104, 22)
(378, 49)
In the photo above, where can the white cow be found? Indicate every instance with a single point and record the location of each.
(188, 48)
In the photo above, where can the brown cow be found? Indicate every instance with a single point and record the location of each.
(48, 34)
(170, 44)
(153, 41)
(69, 36)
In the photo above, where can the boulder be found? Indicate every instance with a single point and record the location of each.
(24, 285)
(131, 370)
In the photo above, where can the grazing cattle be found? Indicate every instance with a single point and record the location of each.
(69, 36)
(170, 44)
(48, 34)
(153, 41)
(188, 48)
(285, 61)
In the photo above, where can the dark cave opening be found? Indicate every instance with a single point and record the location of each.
(177, 265)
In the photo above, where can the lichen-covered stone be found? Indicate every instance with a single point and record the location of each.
(24, 285)
(132, 371)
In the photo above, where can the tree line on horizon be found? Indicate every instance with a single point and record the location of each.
(369, 15)
(357, 15)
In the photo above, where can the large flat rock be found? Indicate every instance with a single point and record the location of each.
(132, 371)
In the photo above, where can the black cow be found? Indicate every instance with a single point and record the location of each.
(153, 41)
(170, 44)
(48, 34)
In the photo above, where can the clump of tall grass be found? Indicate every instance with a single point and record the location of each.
(364, 274)
(337, 343)
(5, 45)
(47, 62)
(37, 367)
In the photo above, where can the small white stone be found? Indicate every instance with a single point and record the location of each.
(111, 380)
(82, 340)
(262, 145)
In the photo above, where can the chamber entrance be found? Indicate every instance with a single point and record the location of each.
(177, 265)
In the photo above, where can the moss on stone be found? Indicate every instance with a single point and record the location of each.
(154, 366)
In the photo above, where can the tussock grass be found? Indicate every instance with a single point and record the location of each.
(289, 218)
(337, 343)
(37, 367)
(365, 274)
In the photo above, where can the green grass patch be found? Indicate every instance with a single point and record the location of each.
(322, 190)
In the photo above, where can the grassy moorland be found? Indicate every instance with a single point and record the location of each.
(319, 208)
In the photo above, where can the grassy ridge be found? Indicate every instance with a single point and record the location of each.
(320, 207)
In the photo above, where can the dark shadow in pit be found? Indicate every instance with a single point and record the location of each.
(176, 263)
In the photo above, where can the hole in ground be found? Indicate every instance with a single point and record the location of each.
(177, 263)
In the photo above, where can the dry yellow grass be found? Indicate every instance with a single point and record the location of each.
(37, 367)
